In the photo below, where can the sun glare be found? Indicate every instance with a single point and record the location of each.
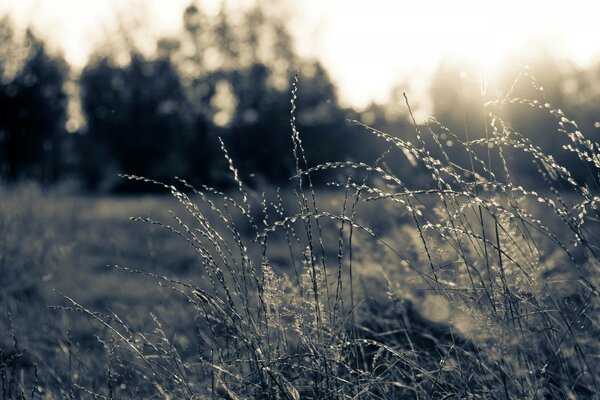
(369, 45)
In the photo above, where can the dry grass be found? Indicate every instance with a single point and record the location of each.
(467, 286)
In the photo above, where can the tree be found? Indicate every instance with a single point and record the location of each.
(138, 120)
(32, 107)
(225, 76)
(259, 133)
(321, 120)
(239, 72)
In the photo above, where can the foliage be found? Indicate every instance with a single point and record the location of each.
(137, 119)
(224, 76)
(32, 107)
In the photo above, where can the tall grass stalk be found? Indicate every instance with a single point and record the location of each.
(488, 295)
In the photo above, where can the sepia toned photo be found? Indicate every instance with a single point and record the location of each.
(283, 199)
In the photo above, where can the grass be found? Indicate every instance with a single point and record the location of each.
(468, 285)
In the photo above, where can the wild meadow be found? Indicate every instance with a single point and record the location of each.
(463, 283)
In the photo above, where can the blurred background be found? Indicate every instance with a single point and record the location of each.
(90, 89)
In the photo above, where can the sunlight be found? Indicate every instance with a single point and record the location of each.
(318, 199)
(367, 46)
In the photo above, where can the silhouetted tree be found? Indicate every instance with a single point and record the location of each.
(259, 133)
(225, 76)
(239, 74)
(138, 120)
(32, 107)
(321, 120)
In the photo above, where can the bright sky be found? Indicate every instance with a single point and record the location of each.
(368, 46)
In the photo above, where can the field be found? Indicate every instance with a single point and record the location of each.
(57, 245)
(470, 286)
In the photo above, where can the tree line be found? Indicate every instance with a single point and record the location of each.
(227, 76)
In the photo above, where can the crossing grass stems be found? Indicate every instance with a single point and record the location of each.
(520, 292)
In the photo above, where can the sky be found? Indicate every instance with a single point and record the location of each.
(369, 47)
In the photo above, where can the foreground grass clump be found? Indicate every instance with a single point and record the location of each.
(474, 286)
